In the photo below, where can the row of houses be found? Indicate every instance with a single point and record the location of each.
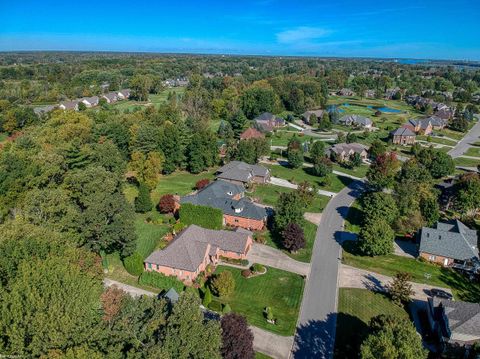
(406, 134)
(195, 248)
(439, 109)
(389, 94)
(176, 82)
(93, 101)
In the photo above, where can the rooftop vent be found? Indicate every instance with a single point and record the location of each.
(238, 210)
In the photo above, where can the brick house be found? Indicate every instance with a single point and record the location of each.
(403, 136)
(420, 126)
(238, 211)
(307, 115)
(243, 173)
(454, 322)
(344, 151)
(356, 121)
(250, 133)
(267, 122)
(195, 248)
(451, 244)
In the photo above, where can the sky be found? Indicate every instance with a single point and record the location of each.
(430, 29)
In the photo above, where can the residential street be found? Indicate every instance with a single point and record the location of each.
(465, 143)
(315, 334)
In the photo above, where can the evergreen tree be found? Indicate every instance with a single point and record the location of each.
(143, 202)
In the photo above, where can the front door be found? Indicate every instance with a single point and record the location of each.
(445, 262)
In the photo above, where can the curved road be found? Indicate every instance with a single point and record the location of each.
(315, 336)
(465, 143)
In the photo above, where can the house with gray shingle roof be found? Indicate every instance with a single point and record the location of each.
(238, 211)
(356, 121)
(91, 101)
(69, 105)
(450, 244)
(307, 115)
(195, 248)
(243, 173)
(403, 136)
(267, 122)
(454, 322)
(110, 97)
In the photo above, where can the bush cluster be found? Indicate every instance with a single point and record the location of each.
(160, 281)
(206, 217)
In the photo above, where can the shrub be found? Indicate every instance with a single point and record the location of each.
(178, 227)
(134, 264)
(268, 312)
(293, 237)
(166, 203)
(215, 306)
(258, 268)
(260, 238)
(206, 217)
(223, 284)
(226, 309)
(143, 202)
(202, 183)
(240, 262)
(207, 297)
(246, 273)
(161, 281)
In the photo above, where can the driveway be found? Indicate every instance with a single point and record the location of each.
(133, 291)
(274, 345)
(350, 277)
(284, 183)
(315, 336)
(275, 258)
(465, 143)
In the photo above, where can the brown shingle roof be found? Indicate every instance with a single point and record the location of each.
(251, 133)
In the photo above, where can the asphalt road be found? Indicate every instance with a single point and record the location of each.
(464, 144)
(315, 336)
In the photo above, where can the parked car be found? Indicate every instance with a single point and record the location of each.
(435, 292)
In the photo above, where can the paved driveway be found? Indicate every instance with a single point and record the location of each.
(315, 336)
(274, 345)
(284, 183)
(133, 291)
(272, 257)
(350, 277)
(463, 145)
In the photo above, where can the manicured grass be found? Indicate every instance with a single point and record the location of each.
(149, 235)
(180, 183)
(155, 99)
(353, 221)
(456, 135)
(303, 174)
(440, 140)
(356, 307)
(466, 162)
(473, 151)
(280, 290)
(422, 272)
(360, 171)
(259, 355)
(303, 255)
(281, 138)
(268, 194)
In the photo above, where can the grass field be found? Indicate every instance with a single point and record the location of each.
(261, 356)
(303, 174)
(155, 99)
(303, 255)
(149, 235)
(355, 309)
(440, 140)
(360, 171)
(353, 220)
(268, 194)
(421, 272)
(280, 290)
(466, 162)
(473, 151)
(281, 138)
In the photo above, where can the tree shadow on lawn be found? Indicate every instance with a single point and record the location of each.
(467, 290)
(342, 236)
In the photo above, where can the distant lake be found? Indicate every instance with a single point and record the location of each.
(385, 109)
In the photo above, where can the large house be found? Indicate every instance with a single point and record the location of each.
(439, 109)
(250, 133)
(237, 210)
(243, 173)
(425, 126)
(356, 121)
(90, 101)
(195, 248)
(403, 136)
(344, 151)
(69, 105)
(450, 244)
(267, 122)
(123, 94)
(306, 116)
(346, 92)
(454, 322)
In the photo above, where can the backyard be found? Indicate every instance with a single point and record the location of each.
(466, 162)
(280, 290)
(355, 309)
(180, 182)
(155, 99)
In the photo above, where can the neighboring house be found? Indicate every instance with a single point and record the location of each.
(171, 295)
(403, 136)
(90, 101)
(306, 115)
(110, 97)
(41, 110)
(123, 94)
(451, 244)
(237, 210)
(356, 121)
(344, 151)
(438, 123)
(346, 92)
(454, 322)
(439, 109)
(195, 248)
(420, 126)
(391, 93)
(69, 105)
(267, 122)
(243, 173)
(444, 112)
(250, 133)
(369, 94)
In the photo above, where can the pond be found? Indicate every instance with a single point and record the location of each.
(385, 109)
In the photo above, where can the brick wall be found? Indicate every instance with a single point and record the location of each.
(436, 259)
(251, 224)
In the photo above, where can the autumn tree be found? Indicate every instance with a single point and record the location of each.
(166, 204)
(237, 338)
(382, 172)
(293, 237)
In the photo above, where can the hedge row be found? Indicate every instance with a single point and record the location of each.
(160, 281)
(203, 216)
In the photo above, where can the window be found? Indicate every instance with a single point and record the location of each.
(236, 220)
(432, 258)
(149, 265)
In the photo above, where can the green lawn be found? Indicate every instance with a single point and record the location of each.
(422, 272)
(281, 138)
(268, 194)
(303, 174)
(303, 255)
(155, 99)
(259, 355)
(280, 290)
(440, 140)
(355, 309)
(360, 171)
(473, 151)
(149, 235)
(353, 221)
(180, 183)
(466, 162)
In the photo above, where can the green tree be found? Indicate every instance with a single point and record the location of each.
(295, 158)
(207, 297)
(257, 100)
(394, 338)
(140, 85)
(134, 264)
(238, 123)
(143, 202)
(382, 172)
(400, 289)
(187, 334)
(202, 151)
(467, 196)
(317, 151)
(379, 205)
(376, 238)
(430, 209)
(377, 148)
(173, 145)
(223, 284)
(290, 209)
